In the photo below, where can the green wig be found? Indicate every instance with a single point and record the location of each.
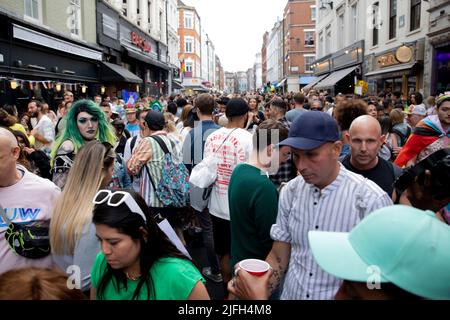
(105, 132)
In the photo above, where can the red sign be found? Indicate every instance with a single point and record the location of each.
(140, 42)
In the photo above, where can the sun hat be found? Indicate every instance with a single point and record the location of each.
(410, 248)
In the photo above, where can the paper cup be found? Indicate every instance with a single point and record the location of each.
(255, 267)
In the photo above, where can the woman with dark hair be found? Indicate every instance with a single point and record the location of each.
(35, 161)
(138, 261)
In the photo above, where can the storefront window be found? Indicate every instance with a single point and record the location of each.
(442, 70)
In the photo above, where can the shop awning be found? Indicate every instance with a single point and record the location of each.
(196, 88)
(307, 79)
(334, 78)
(401, 67)
(114, 72)
(177, 85)
(281, 83)
(313, 83)
(141, 57)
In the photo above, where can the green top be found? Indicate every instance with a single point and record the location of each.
(173, 279)
(253, 201)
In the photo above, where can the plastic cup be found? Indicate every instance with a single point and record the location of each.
(255, 267)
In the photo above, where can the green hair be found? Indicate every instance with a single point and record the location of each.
(105, 131)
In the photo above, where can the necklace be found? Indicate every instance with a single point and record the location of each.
(134, 278)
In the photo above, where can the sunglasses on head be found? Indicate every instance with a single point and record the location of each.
(116, 198)
(85, 120)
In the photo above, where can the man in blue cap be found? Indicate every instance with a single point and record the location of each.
(324, 197)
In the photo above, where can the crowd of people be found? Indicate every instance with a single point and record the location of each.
(321, 187)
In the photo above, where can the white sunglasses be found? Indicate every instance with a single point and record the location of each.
(116, 198)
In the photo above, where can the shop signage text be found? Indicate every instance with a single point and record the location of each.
(140, 42)
(387, 60)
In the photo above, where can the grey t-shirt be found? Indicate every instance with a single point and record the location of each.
(291, 115)
(84, 255)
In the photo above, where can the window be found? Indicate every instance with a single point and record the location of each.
(149, 13)
(328, 40)
(321, 47)
(189, 44)
(188, 20)
(309, 60)
(309, 38)
(415, 14)
(32, 9)
(341, 33)
(313, 13)
(354, 23)
(75, 26)
(392, 19)
(376, 23)
(189, 69)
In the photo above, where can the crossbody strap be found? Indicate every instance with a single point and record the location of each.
(163, 146)
(224, 140)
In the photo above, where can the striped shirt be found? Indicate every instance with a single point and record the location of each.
(149, 153)
(336, 208)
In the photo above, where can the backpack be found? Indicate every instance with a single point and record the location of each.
(172, 189)
(402, 136)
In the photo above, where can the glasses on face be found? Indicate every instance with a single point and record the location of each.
(115, 199)
(83, 120)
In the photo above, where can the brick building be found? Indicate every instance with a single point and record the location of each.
(299, 43)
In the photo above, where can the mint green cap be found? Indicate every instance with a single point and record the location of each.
(410, 247)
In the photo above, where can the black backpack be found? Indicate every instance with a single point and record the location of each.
(403, 137)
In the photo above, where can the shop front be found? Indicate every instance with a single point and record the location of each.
(140, 61)
(399, 69)
(339, 72)
(440, 68)
(36, 63)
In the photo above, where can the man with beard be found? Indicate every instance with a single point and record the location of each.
(43, 131)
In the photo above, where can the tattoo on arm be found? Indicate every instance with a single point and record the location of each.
(277, 276)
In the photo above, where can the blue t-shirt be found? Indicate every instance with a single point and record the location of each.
(133, 129)
(194, 144)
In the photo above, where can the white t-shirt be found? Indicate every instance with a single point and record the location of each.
(235, 150)
(30, 201)
(45, 128)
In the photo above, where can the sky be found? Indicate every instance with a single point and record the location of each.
(236, 27)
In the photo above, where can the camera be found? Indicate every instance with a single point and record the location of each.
(438, 164)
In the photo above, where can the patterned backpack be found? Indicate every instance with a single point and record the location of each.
(173, 188)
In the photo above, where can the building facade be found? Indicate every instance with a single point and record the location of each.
(340, 45)
(257, 68)
(264, 59)
(275, 54)
(230, 82)
(437, 49)
(131, 46)
(369, 46)
(251, 80)
(299, 43)
(189, 31)
(48, 47)
(395, 45)
(241, 82)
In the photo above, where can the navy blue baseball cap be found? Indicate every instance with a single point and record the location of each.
(311, 130)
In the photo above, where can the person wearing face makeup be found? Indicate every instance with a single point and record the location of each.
(85, 122)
